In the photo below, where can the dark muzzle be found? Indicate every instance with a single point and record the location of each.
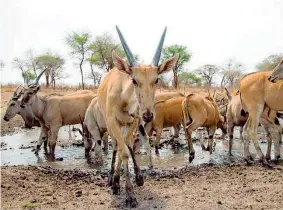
(148, 116)
(6, 118)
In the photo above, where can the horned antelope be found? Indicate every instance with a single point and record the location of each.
(14, 108)
(125, 89)
(259, 90)
(201, 112)
(54, 112)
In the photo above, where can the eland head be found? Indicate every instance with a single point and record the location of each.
(30, 91)
(144, 77)
(13, 106)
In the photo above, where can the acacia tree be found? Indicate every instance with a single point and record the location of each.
(94, 75)
(232, 72)
(208, 72)
(269, 63)
(184, 57)
(52, 64)
(79, 44)
(21, 65)
(101, 51)
(186, 78)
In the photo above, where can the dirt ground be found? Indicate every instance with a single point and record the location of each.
(205, 187)
(234, 186)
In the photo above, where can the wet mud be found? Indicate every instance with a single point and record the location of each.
(215, 181)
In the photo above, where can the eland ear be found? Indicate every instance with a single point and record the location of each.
(168, 65)
(121, 64)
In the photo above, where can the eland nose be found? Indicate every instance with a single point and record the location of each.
(6, 118)
(148, 116)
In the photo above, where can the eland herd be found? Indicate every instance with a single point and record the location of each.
(128, 109)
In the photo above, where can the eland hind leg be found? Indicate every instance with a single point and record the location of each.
(272, 132)
(252, 127)
(188, 130)
(210, 145)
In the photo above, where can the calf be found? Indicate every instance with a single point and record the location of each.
(94, 129)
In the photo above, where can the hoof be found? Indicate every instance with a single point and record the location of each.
(131, 202)
(116, 189)
(203, 147)
(266, 164)
(139, 180)
(249, 160)
(267, 157)
(230, 154)
(276, 160)
(191, 157)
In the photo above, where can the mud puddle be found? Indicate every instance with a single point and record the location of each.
(12, 153)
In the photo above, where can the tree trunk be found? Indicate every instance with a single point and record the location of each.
(81, 68)
(175, 79)
(47, 80)
(222, 81)
(93, 76)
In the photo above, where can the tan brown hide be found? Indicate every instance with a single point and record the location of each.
(201, 111)
(257, 92)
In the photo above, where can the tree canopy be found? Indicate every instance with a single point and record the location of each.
(208, 73)
(188, 78)
(269, 63)
(183, 57)
(79, 45)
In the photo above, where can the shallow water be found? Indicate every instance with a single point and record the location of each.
(73, 157)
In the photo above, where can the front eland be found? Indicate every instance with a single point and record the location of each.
(125, 89)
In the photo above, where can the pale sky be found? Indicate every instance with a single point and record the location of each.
(214, 31)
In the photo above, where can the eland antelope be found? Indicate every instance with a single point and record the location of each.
(125, 89)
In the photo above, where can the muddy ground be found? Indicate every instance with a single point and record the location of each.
(205, 187)
(208, 186)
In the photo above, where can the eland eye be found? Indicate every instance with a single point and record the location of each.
(12, 104)
(30, 93)
(135, 82)
(156, 81)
